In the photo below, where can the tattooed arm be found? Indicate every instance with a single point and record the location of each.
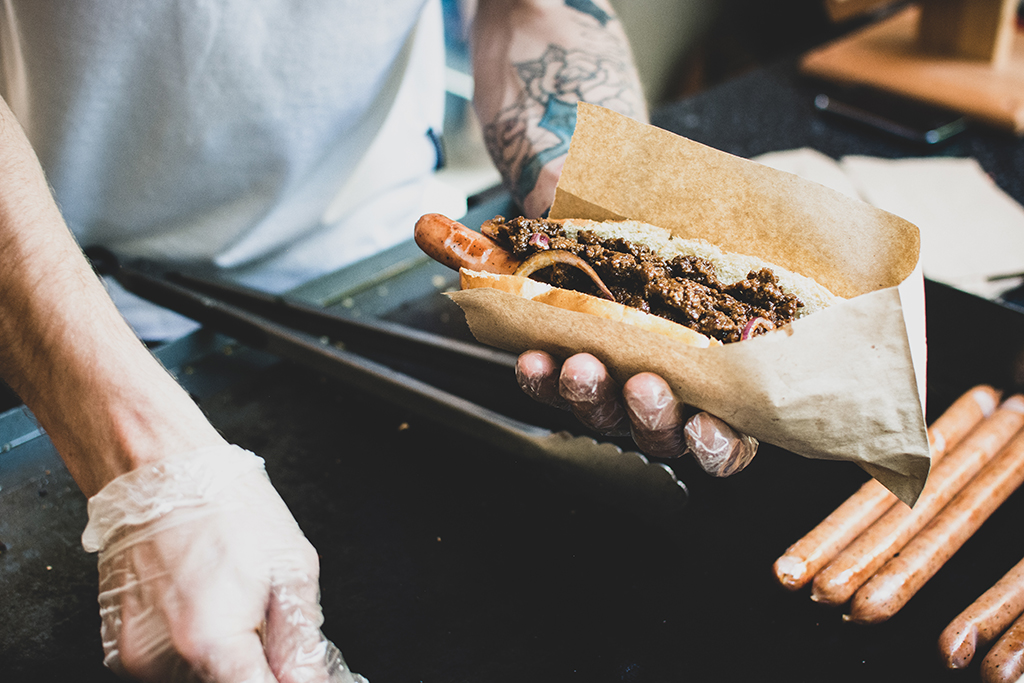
(533, 60)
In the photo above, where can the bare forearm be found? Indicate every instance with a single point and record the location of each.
(533, 60)
(105, 402)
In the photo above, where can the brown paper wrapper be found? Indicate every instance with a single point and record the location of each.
(846, 383)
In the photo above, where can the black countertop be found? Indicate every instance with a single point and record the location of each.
(445, 560)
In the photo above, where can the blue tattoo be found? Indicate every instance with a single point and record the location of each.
(543, 115)
(588, 7)
(559, 118)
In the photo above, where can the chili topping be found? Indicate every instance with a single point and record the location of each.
(684, 289)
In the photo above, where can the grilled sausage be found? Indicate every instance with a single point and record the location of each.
(838, 581)
(805, 558)
(888, 591)
(456, 246)
(983, 620)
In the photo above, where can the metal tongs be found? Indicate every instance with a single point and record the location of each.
(350, 350)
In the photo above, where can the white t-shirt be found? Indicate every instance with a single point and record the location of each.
(275, 139)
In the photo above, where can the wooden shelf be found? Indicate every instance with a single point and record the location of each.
(888, 55)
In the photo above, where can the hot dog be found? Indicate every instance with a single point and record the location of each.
(627, 271)
(805, 558)
(902, 576)
(838, 581)
(983, 620)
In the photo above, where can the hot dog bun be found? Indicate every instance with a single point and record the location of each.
(583, 303)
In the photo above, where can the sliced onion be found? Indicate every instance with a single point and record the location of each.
(755, 325)
(539, 241)
(550, 257)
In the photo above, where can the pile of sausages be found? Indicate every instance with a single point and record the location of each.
(876, 553)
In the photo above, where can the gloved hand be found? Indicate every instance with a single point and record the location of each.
(205, 575)
(661, 426)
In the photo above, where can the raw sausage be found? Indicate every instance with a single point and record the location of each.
(805, 558)
(1004, 663)
(838, 581)
(983, 620)
(961, 417)
(456, 246)
(888, 591)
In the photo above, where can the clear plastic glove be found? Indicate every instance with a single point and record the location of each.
(661, 426)
(205, 576)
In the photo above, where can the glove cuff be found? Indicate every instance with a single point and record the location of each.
(149, 492)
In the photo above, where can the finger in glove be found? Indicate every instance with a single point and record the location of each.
(719, 449)
(537, 374)
(593, 395)
(656, 416)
